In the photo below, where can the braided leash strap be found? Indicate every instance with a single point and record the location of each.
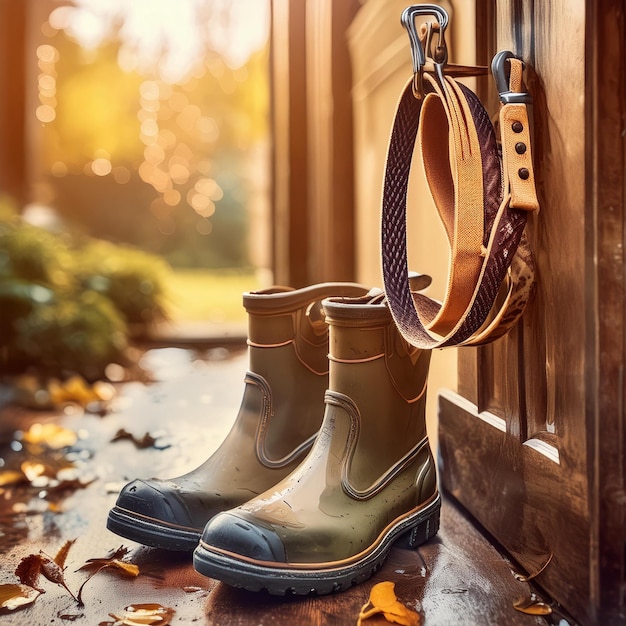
(482, 200)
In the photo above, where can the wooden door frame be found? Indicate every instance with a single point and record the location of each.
(313, 161)
(13, 162)
(606, 311)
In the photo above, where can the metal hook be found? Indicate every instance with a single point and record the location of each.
(501, 70)
(421, 51)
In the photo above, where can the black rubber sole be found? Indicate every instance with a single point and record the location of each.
(281, 580)
(152, 532)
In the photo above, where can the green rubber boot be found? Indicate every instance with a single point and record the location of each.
(274, 429)
(368, 483)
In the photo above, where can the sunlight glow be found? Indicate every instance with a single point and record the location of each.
(156, 85)
(166, 36)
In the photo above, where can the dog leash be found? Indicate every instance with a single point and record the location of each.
(482, 196)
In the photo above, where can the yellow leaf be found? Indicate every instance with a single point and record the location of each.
(11, 477)
(78, 390)
(532, 606)
(13, 595)
(129, 569)
(56, 392)
(53, 436)
(61, 555)
(140, 614)
(383, 595)
(383, 600)
(405, 617)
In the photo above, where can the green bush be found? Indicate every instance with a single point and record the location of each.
(35, 255)
(66, 304)
(78, 333)
(131, 278)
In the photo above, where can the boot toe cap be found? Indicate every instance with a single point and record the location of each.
(155, 499)
(233, 533)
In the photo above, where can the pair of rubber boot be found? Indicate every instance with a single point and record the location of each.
(327, 464)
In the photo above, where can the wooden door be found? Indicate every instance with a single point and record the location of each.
(533, 442)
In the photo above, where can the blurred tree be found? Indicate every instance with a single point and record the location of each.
(162, 165)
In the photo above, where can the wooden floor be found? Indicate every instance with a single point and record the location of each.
(458, 578)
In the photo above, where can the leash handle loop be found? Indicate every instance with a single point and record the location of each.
(486, 297)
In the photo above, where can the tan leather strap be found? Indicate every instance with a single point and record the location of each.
(483, 216)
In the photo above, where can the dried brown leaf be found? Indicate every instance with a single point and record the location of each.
(70, 617)
(114, 561)
(13, 596)
(61, 555)
(28, 571)
(52, 571)
(96, 563)
(54, 574)
(147, 441)
(31, 567)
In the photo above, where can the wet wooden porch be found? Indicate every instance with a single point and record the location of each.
(458, 578)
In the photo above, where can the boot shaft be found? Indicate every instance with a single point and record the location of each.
(287, 349)
(384, 379)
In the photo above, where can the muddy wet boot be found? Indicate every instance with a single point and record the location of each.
(274, 429)
(368, 483)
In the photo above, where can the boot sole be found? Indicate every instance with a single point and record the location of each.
(289, 579)
(152, 532)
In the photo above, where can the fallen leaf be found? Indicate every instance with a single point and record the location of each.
(70, 616)
(11, 477)
(13, 596)
(141, 615)
(147, 441)
(31, 567)
(97, 563)
(61, 555)
(532, 606)
(383, 600)
(29, 570)
(51, 435)
(129, 569)
(74, 389)
(113, 561)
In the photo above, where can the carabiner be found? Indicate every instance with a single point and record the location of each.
(421, 51)
(501, 70)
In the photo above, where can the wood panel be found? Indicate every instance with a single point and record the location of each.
(533, 445)
(605, 202)
(313, 199)
(331, 141)
(12, 102)
(289, 125)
